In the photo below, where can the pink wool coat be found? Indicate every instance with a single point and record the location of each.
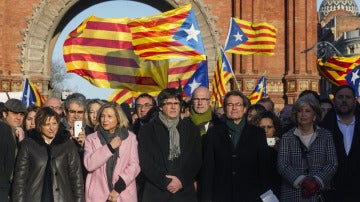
(127, 167)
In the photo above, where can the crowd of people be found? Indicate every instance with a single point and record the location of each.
(168, 149)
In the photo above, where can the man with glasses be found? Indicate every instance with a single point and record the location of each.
(201, 113)
(143, 104)
(74, 110)
(169, 152)
(55, 104)
(11, 135)
(237, 164)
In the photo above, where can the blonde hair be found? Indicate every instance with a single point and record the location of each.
(123, 122)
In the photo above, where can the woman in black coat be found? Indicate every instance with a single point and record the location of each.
(48, 165)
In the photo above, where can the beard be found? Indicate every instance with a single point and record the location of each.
(345, 110)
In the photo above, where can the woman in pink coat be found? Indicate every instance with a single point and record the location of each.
(111, 157)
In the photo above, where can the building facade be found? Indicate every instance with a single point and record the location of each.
(30, 29)
(339, 24)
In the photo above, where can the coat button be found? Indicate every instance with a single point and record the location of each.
(234, 155)
(233, 172)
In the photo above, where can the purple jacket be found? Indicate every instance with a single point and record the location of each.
(127, 167)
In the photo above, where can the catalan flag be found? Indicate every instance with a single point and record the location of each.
(341, 71)
(259, 92)
(127, 96)
(100, 50)
(172, 34)
(246, 38)
(31, 95)
(181, 70)
(199, 78)
(222, 75)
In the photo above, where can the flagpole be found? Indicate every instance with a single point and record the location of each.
(232, 72)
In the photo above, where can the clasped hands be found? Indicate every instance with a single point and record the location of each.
(175, 185)
(309, 187)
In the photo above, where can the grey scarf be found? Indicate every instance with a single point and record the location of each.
(174, 136)
(105, 138)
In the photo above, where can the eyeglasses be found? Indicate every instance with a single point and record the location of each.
(268, 127)
(56, 108)
(200, 99)
(146, 105)
(171, 104)
(75, 112)
(238, 104)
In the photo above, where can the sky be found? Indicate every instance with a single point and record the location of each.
(110, 9)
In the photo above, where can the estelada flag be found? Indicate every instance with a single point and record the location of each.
(246, 38)
(168, 35)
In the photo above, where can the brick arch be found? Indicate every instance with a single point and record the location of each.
(51, 16)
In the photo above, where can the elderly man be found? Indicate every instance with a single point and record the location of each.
(201, 113)
(55, 104)
(11, 134)
(169, 152)
(237, 164)
(344, 123)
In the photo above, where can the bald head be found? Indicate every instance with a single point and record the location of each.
(55, 104)
(201, 99)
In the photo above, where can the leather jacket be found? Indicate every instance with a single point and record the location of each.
(67, 180)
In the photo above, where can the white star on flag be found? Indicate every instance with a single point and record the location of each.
(194, 85)
(192, 33)
(238, 36)
(355, 76)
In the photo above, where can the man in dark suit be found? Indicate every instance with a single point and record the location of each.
(344, 122)
(237, 165)
(169, 152)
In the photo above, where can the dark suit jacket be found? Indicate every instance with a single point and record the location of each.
(153, 155)
(347, 177)
(235, 174)
(7, 159)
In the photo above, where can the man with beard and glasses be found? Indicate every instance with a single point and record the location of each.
(344, 122)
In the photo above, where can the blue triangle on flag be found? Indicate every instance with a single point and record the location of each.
(199, 78)
(353, 79)
(236, 36)
(189, 33)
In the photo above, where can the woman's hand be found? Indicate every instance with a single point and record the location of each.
(115, 142)
(113, 196)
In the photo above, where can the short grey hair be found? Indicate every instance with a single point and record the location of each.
(309, 101)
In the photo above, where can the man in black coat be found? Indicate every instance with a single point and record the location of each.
(169, 152)
(237, 164)
(7, 160)
(344, 122)
(11, 136)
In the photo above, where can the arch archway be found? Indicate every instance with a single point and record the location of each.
(51, 16)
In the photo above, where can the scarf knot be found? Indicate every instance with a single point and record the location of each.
(201, 120)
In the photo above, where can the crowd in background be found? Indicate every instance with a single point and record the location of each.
(169, 149)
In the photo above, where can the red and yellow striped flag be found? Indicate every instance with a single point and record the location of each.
(222, 74)
(100, 50)
(168, 35)
(336, 68)
(181, 70)
(247, 38)
(124, 95)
